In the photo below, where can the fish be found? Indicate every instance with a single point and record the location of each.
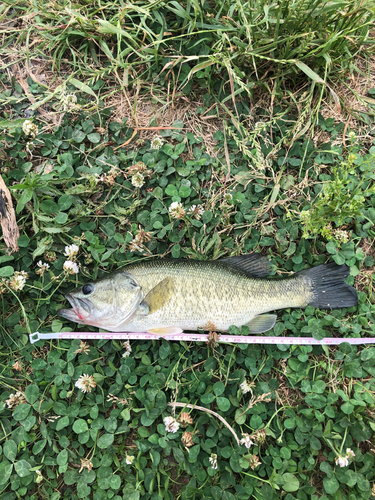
(169, 296)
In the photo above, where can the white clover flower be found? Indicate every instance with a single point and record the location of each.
(129, 459)
(138, 180)
(176, 210)
(18, 280)
(71, 251)
(213, 460)
(99, 178)
(171, 424)
(157, 142)
(228, 197)
(85, 383)
(341, 235)
(246, 440)
(196, 210)
(69, 101)
(245, 387)
(15, 399)
(342, 461)
(134, 247)
(350, 454)
(42, 264)
(9, 402)
(30, 128)
(39, 478)
(128, 349)
(71, 267)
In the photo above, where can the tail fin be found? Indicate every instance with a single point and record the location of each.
(329, 288)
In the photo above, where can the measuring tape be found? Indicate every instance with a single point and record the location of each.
(198, 337)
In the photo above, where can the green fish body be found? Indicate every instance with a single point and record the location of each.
(169, 296)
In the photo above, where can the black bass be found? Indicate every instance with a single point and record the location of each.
(168, 296)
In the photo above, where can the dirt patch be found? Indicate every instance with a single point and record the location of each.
(285, 395)
(178, 480)
(143, 111)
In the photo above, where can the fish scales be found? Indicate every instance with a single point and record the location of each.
(218, 294)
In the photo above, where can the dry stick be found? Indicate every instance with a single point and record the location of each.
(8, 222)
(207, 110)
(202, 408)
(344, 133)
(227, 159)
(209, 117)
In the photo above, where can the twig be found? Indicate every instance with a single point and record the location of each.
(202, 408)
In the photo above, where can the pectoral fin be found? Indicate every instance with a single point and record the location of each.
(262, 323)
(157, 297)
(167, 330)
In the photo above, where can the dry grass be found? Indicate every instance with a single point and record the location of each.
(355, 100)
(144, 107)
(365, 279)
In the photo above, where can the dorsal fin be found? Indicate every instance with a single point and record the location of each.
(252, 263)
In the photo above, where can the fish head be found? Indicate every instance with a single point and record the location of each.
(106, 303)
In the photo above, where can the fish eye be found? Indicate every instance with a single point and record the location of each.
(132, 283)
(87, 289)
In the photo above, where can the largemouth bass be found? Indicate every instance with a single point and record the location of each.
(169, 296)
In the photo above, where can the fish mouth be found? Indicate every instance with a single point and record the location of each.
(78, 307)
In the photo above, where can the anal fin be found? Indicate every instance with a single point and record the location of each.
(166, 330)
(262, 323)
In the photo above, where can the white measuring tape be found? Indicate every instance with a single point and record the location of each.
(198, 337)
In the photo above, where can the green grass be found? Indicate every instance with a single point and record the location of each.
(268, 189)
(228, 49)
(312, 402)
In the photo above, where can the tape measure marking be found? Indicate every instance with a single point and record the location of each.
(199, 337)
